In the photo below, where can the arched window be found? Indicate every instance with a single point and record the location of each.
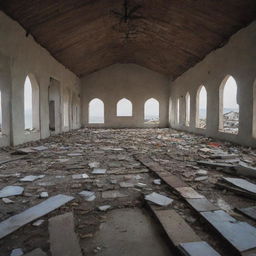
(178, 112)
(96, 111)
(187, 109)
(31, 103)
(151, 111)
(124, 108)
(228, 109)
(201, 107)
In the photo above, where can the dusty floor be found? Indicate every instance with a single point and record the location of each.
(114, 150)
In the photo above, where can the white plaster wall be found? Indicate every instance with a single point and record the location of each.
(236, 58)
(26, 56)
(129, 81)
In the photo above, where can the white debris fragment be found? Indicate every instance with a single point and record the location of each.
(31, 178)
(40, 148)
(88, 195)
(126, 185)
(75, 154)
(201, 172)
(11, 191)
(157, 182)
(104, 208)
(17, 252)
(38, 223)
(159, 199)
(141, 185)
(201, 178)
(80, 176)
(7, 201)
(94, 164)
(44, 195)
(99, 171)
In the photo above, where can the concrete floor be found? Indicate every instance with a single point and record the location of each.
(128, 232)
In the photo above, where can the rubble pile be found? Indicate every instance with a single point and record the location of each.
(81, 176)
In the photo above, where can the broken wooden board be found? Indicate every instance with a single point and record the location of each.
(188, 192)
(202, 205)
(175, 227)
(17, 221)
(36, 252)
(249, 212)
(240, 235)
(63, 239)
(197, 249)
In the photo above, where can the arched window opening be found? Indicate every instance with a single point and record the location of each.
(151, 111)
(178, 111)
(31, 104)
(229, 109)
(96, 111)
(124, 108)
(201, 107)
(187, 109)
(254, 111)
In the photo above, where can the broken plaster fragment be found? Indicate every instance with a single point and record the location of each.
(38, 223)
(7, 201)
(158, 199)
(99, 171)
(11, 191)
(44, 195)
(157, 182)
(31, 178)
(17, 252)
(94, 164)
(80, 176)
(88, 195)
(104, 208)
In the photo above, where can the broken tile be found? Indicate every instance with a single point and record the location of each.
(15, 222)
(157, 182)
(38, 223)
(17, 252)
(249, 212)
(7, 201)
(40, 148)
(104, 208)
(44, 194)
(94, 164)
(88, 195)
(113, 194)
(99, 171)
(31, 178)
(159, 199)
(11, 191)
(80, 176)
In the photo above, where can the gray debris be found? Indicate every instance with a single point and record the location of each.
(201, 178)
(31, 178)
(245, 170)
(11, 191)
(44, 194)
(157, 181)
(7, 201)
(88, 195)
(99, 171)
(38, 223)
(80, 176)
(126, 185)
(94, 164)
(40, 148)
(17, 252)
(159, 199)
(112, 194)
(104, 208)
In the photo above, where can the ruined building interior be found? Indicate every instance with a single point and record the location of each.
(127, 127)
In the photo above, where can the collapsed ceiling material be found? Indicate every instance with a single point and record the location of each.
(165, 36)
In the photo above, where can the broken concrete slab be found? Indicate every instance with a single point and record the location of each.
(31, 178)
(63, 239)
(99, 171)
(11, 191)
(36, 252)
(17, 221)
(158, 199)
(249, 212)
(188, 192)
(197, 249)
(175, 227)
(40, 148)
(88, 195)
(217, 164)
(113, 194)
(240, 235)
(202, 205)
(173, 181)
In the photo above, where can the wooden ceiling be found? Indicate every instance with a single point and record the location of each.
(171, 37)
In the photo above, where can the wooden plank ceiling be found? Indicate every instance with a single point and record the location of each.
(168, 36)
